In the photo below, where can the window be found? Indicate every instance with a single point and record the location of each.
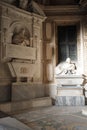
(67, 43)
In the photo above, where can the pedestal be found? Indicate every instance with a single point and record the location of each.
(70, 100)
(70, 90)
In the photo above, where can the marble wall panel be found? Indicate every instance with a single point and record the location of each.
(23, 91)
(48, 30)
(12, 51)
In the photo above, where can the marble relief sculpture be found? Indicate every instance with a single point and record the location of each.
(67, 68)
(21, 37)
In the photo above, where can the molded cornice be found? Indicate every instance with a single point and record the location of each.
(67, 9)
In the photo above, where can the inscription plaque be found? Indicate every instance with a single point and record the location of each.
(19, 52)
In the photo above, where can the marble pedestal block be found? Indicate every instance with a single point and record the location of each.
(70, 90)
(70, 100)
(26, 91)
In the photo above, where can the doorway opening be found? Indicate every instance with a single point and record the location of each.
(67, 43)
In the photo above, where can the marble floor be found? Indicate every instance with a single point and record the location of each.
(9, 123)
(47, 118)
(54, 118)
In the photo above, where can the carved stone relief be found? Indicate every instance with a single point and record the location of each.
(21, 37)
(21, 42)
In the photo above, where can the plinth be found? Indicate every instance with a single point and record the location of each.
(70, 90)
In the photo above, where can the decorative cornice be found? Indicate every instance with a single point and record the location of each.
(61, 8)
(27, 13)
(64, 9)
(65, 18)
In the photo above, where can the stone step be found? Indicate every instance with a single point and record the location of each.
(22, 105)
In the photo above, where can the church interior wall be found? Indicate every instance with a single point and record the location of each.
(53, 44)
(42, 62)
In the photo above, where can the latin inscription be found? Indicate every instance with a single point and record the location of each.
(23, 70)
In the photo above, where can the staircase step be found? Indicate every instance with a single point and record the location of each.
(22, 105)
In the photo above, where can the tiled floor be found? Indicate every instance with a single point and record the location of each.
(9, 123)
(51, 118)
(54, 118)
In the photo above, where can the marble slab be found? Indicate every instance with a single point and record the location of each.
(70, 79)
(69, 101)
(9, 123)
(41, 102)
(63, 91)
(25, 91)
(13, 51)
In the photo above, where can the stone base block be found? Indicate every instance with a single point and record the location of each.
(70, 101)
(23, 105)
(26, 91)
(41, 102)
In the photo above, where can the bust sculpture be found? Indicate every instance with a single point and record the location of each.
(67, 68)
(21, 38)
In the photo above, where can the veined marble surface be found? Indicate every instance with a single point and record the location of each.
(9, 123)
(70, 101)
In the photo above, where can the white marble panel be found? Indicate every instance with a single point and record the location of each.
(69, 92)
(70, 80)
(20, 52)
